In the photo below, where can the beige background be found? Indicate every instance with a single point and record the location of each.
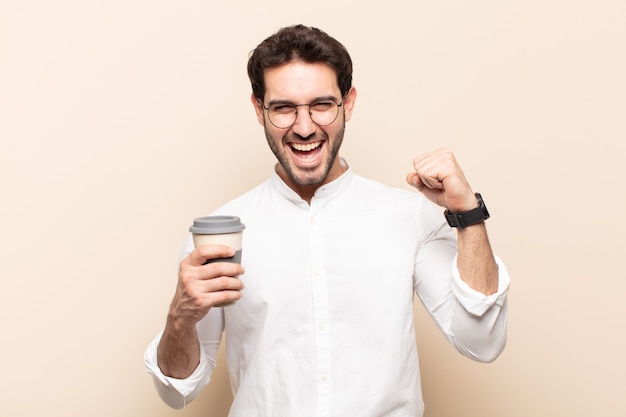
(120, 121)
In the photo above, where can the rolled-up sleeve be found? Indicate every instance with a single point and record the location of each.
(475, 302)
(177, 392)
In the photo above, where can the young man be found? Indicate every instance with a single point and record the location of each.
(332, 261)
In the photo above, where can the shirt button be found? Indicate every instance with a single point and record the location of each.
(323, 378)
(322, 326)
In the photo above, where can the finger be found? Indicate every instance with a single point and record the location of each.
(201, 254)
(222, 290)
(414, 180)
(199, 295)
(434, 169)
(195, 277)
(221, 283)
(214, 270)
(423, 184)
(426, 177)
(217, 299)
(432, 181)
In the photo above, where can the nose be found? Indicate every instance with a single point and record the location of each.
(304, 125)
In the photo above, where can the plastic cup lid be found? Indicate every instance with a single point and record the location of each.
(211, 225)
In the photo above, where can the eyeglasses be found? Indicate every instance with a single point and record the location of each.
(283, 115)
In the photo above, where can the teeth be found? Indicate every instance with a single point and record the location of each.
(305, 147)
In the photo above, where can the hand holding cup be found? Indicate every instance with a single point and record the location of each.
(208, 277)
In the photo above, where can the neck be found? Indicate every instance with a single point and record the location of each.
(306, 192)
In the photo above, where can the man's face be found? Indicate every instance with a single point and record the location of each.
(306, 152)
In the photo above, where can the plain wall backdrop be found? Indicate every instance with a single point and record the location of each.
(121, 121)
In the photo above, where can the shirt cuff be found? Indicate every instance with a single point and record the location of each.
(174, 392)
(475, 302)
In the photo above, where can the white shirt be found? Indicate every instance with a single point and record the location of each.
(325, 325)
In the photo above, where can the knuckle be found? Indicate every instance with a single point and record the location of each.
(223, 282)
(198, 303)
(186, 277)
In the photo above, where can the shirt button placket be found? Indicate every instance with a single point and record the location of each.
(320, 307)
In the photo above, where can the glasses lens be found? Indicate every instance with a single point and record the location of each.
(282, 115)
(322, 113)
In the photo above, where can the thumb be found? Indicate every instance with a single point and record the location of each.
(414, 180)
(433, 195)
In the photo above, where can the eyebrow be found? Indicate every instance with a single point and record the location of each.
(321, 98)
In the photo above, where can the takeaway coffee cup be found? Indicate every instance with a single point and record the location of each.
(219, 230)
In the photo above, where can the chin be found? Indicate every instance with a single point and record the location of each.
(307, 179)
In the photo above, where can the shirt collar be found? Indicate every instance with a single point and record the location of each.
(323, 192)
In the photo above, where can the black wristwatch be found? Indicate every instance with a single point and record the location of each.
(468, 218)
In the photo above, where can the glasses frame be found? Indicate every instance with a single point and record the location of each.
(340, 104)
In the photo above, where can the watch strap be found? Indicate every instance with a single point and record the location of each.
(470, 217)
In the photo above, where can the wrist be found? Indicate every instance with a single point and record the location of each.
(179, 324)
(470, 217)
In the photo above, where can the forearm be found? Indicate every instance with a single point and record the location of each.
(178, 353)
(476, 262)
(181, 363)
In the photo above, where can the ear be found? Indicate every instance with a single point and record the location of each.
(258, 108)
(348, 103)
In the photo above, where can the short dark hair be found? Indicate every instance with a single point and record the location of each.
(295, 43)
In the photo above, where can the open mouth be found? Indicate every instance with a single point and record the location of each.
(307, 154)
(306, 147)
